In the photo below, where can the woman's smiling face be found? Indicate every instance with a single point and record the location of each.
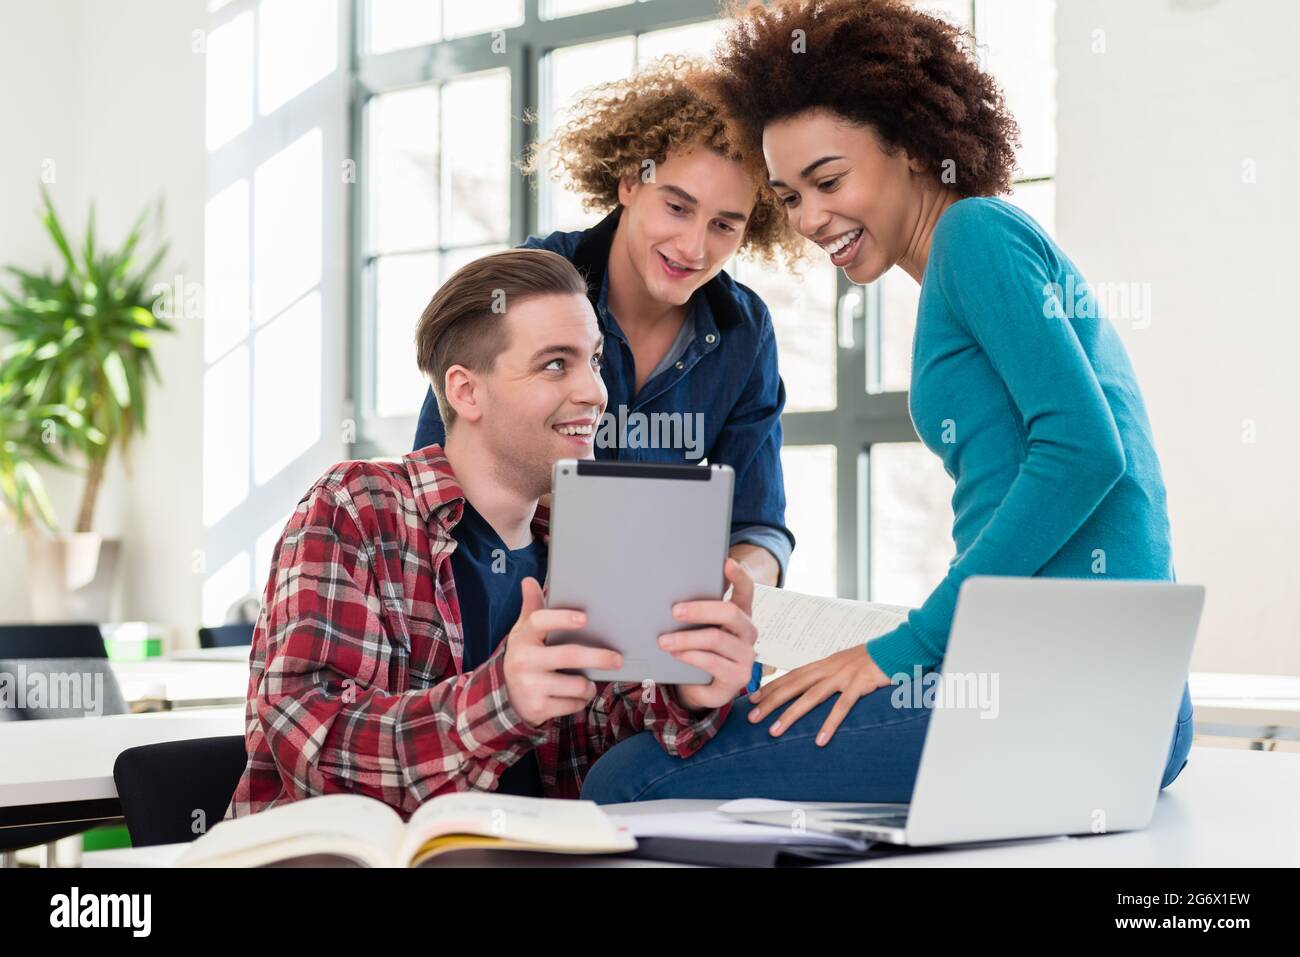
(843, 190)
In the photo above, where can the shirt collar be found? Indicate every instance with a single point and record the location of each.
(439, 499)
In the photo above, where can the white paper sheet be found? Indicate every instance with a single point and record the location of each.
(795, 629)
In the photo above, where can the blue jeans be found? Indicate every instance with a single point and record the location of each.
(873, 756)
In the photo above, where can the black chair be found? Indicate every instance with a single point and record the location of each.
(50, 649)
(226, 636)
(72, 640)
(163, 786)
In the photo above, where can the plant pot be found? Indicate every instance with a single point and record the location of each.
(72, 577)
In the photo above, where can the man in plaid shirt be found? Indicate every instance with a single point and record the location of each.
(358, 670)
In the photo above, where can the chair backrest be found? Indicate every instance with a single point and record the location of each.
(175, 791)
(226, 636)
(71, 640)
(56, 671)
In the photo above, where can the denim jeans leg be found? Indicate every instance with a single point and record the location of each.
(873, 756)
(1181, 745)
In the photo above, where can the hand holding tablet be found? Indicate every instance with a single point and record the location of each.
(725, 650)
(630, 543)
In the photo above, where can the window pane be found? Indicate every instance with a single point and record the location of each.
(570, 70)
(229, 86)
(226, 436)
(910, 522)
(803, 313)
(1039, 201)
(449, 262)
(476, 138)
(696, 39)
(291, 57)
(403, 287)
(463, 18)
(225, 270)
(810, 515)
(287, 225)
(404, 169)
(565, 73)
(1017, 38)
(287, 387)
(554, 9)
(393, 24)
(895, 300)
(956, 12)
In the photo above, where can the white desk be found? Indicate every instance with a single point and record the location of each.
(178, 683)
(238, 653)
(62, 768)
(1258, 707)
(1227, 809)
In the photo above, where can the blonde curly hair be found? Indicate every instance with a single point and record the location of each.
(667, 107)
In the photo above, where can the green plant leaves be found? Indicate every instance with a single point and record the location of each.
(75, 375)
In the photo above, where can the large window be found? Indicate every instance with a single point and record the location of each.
(443, 90)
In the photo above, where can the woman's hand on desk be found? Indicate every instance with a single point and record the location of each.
(851, 672)
(725, 650)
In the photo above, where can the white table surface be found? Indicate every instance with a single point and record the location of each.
(182, 683)
(238, 653)
(71, 759)
(1245, 700)
(1228, 808)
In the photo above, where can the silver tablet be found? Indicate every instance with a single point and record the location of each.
(628, 541)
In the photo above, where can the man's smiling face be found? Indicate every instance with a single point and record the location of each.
(543, 397)
(686, 222)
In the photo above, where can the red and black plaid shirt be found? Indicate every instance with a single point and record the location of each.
(357, 683)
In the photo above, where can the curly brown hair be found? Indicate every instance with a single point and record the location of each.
(667, 107)
(912, 77)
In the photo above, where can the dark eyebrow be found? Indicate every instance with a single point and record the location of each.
(564, 350)
(807, 170)
(687, 197)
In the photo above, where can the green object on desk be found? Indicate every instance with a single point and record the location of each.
(132, 641)
(106, 838)
(134, 650)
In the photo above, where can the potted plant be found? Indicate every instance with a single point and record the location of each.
(74, 382)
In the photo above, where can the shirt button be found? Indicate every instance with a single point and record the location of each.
(710, 338)
(681, 365)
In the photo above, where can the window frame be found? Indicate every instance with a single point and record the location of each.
(860, 418)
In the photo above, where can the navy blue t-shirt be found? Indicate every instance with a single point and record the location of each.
(488, 577)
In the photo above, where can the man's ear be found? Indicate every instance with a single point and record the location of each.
(625, 186)
(461, 387)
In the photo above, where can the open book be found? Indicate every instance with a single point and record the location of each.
(350, 829)
(794, 629)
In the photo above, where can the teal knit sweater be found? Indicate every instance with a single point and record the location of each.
(1028, 397)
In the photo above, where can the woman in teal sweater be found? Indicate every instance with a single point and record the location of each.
(888, 145)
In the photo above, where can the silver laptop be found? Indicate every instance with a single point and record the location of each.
(1057, 706)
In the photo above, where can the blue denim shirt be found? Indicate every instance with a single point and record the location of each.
(726, 378)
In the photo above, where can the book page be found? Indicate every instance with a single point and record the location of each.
(346, 823)
(795, 629)
(535, 821)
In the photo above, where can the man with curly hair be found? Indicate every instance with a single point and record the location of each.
(887, 146)
(682, 337)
